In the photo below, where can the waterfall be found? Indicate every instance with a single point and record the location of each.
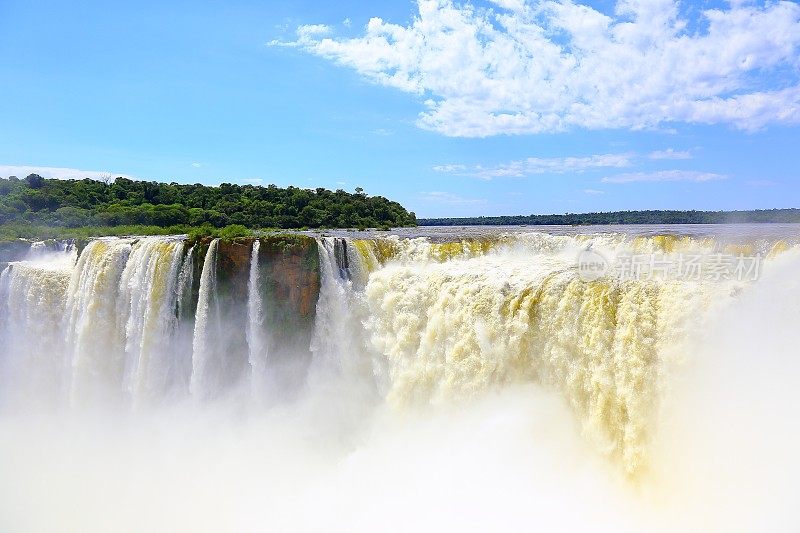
(453, 328)
(37, 249)
(329, 306)
(256, 341)
(47, 249)
(106, 323)
(338, 340)
(148, 298)
(185, 283)
(32, 304)
(206, 356)
(510, 368)
(185, 324)
(95, 331)
(417, 320)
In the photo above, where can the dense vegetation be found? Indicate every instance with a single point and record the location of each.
(36, 201)
(626, 217)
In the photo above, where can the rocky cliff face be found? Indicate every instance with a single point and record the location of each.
(288, 284)
(289, 266)
(13, 251)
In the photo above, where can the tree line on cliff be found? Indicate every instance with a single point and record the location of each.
(625, 217)
(79, 203)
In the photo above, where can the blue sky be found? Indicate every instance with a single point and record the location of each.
(453, 109)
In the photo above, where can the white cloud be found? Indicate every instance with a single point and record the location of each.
(552, 65)
(450, 168)
(59, 173)
(347, 22)
(449, 198)
(309, 31)
(253, 181)
(593, 192)
(670, 153)
(512, 5)
(537, 165)
(197, 165)
(282, 44)
(305, 34)
(664, 175)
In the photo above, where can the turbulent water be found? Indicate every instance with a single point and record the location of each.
(502, 380)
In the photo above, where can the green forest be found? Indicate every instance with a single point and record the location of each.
(626, 217)
(38, 202)
(36, 207)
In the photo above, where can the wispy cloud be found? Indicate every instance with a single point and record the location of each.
(450, 168)
(593, 192)
(670, 153)
(347, 22)
(305, 34)
(441, 197)
(253, 181)
(59, 173)
(383, 132)
(522, 67)
(197, 165)
(664, 175)
(538, 165)
(282, 44)
(313, 30)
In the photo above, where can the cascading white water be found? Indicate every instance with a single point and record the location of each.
(95, 331)
(49, 250)
(118, 324)
(106, 323)
(32, 305)
(456, 329)
(185, 282)
(329, 334)
(421, 321)
(454, 319)
(338, 341)
(257, 341)
(207, 357)
(148, 299)
(182, 355)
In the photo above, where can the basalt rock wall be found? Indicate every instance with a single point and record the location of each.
(288, 283)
